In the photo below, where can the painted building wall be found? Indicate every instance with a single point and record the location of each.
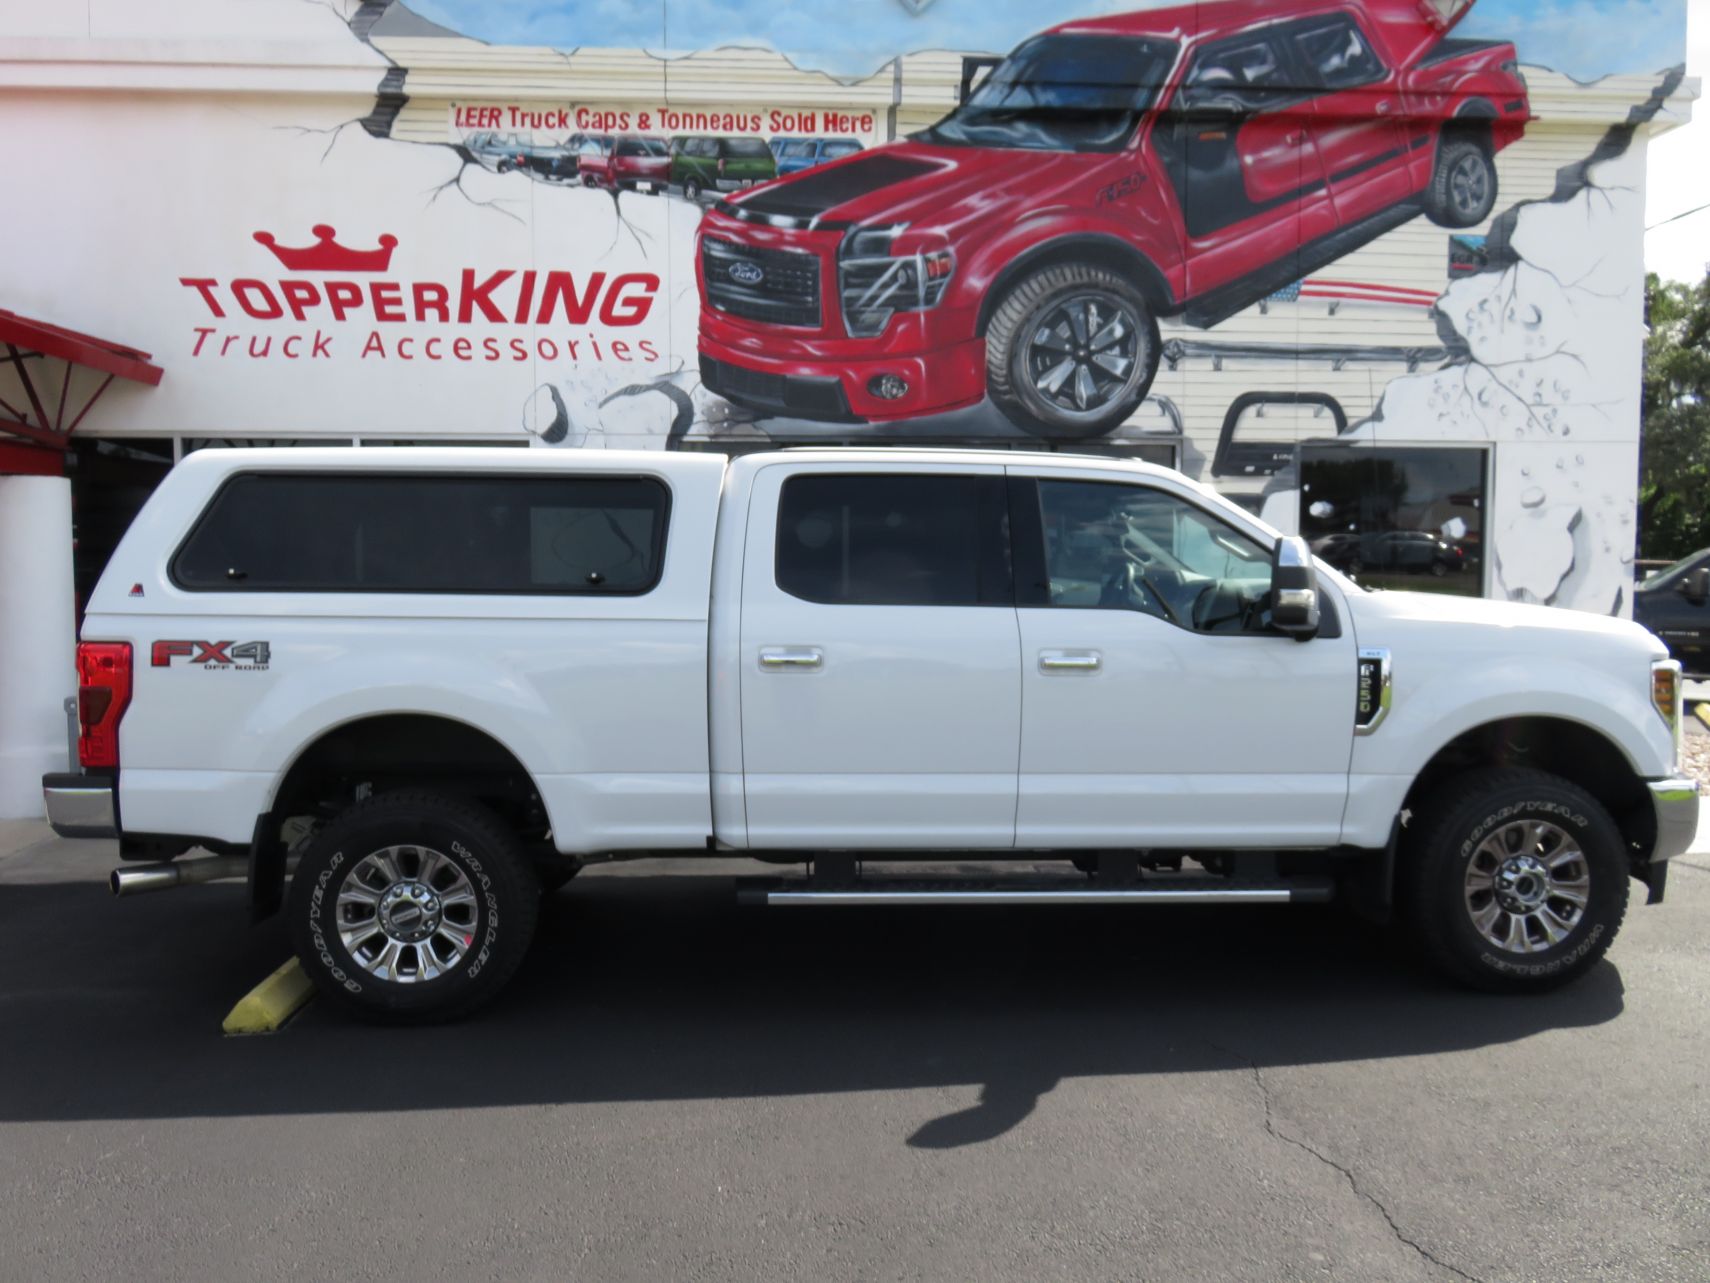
(194, 149)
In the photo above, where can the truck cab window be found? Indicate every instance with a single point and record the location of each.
(1122, 547)
(1337, 55)
(890, 540)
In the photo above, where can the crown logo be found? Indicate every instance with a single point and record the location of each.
(327, 255)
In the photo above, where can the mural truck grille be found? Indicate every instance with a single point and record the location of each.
(779, 286)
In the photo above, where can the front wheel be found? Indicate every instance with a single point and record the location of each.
(1463, 186)
(1517, 880)
(1071, 350)
(413, 906)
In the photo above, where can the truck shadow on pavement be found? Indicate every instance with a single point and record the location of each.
(660, 987)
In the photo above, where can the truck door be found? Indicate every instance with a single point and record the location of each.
(1237, 144)
(1157, 710)
(1357, 118)
(880, 665)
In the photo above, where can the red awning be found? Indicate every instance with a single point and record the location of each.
(23, 341)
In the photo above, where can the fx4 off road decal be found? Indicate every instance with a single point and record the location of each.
(248, 656)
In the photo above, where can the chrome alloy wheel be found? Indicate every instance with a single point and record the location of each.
(1469, 185)
(407, 913)
(1527, 886)
(1084, 353)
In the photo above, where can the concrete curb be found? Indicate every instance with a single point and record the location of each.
(266, 1008)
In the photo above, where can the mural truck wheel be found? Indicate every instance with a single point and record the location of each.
(691, 189)
(1070, 351)
(1463, 188)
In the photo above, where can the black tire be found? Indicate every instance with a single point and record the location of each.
(499, 917)
(1462, 191)
(691, 189)
(1477, 808)
(1029, 302)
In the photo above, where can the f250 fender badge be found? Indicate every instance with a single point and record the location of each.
(1372, 698)
(212, 654)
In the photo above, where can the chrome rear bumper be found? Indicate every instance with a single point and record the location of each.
(81, 806)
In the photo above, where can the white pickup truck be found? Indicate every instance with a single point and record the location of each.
(422, 685)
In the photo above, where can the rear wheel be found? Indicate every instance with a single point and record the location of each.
(692, 188)
(1517, 880)
(1463, 186)
(413, 906)
(1071, 350)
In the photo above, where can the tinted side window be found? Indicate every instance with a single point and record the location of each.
(427, 534)
(1126, 547)
(1336, 55)
(887, 540)
(1245, 74)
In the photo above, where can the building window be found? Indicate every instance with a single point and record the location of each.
(1398, 517)
(362, 532)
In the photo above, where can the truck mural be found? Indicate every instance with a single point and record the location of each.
(1182, 161)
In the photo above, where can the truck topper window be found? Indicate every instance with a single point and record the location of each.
(425, 533)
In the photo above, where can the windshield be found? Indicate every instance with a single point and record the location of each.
(1666, 577)
(1061, 93)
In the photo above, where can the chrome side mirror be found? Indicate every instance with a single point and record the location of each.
(1294, 589)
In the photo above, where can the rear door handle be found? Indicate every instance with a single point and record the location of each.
(786, 658)
(1069, 661)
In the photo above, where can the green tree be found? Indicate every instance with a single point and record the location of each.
(1674, 455)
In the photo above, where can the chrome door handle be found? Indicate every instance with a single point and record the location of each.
(781, 658)
(1069, 661)
(1384, 107)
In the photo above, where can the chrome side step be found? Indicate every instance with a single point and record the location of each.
(920, 891)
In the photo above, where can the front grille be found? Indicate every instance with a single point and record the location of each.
(787, 292)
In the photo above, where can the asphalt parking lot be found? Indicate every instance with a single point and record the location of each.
(678, 1088)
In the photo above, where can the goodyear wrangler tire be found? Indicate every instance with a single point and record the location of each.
(411, 906)
(1517, 881)
(1071, 350)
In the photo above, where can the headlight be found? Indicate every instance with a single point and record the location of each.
(1666, 693)
(874, 282)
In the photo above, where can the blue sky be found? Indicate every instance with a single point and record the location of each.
(1584, 38)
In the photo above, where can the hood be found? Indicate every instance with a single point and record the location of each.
(1376, 612)
(906, 181)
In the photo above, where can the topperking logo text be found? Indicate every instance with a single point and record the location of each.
(318, 308)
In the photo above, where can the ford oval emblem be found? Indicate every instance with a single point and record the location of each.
(744, 273)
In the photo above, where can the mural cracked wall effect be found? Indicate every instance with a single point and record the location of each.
(1537, 364)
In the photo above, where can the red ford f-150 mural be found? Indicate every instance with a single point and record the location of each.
(1181, 161)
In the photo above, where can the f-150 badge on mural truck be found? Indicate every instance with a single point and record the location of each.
(1181, 161)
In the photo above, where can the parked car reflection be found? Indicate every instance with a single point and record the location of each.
(1402, 551)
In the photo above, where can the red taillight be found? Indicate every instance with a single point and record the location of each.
(103, 694)
(721, 164)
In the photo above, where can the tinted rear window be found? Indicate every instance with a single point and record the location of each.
(278, 532)
(746, 147)
(878, 540)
